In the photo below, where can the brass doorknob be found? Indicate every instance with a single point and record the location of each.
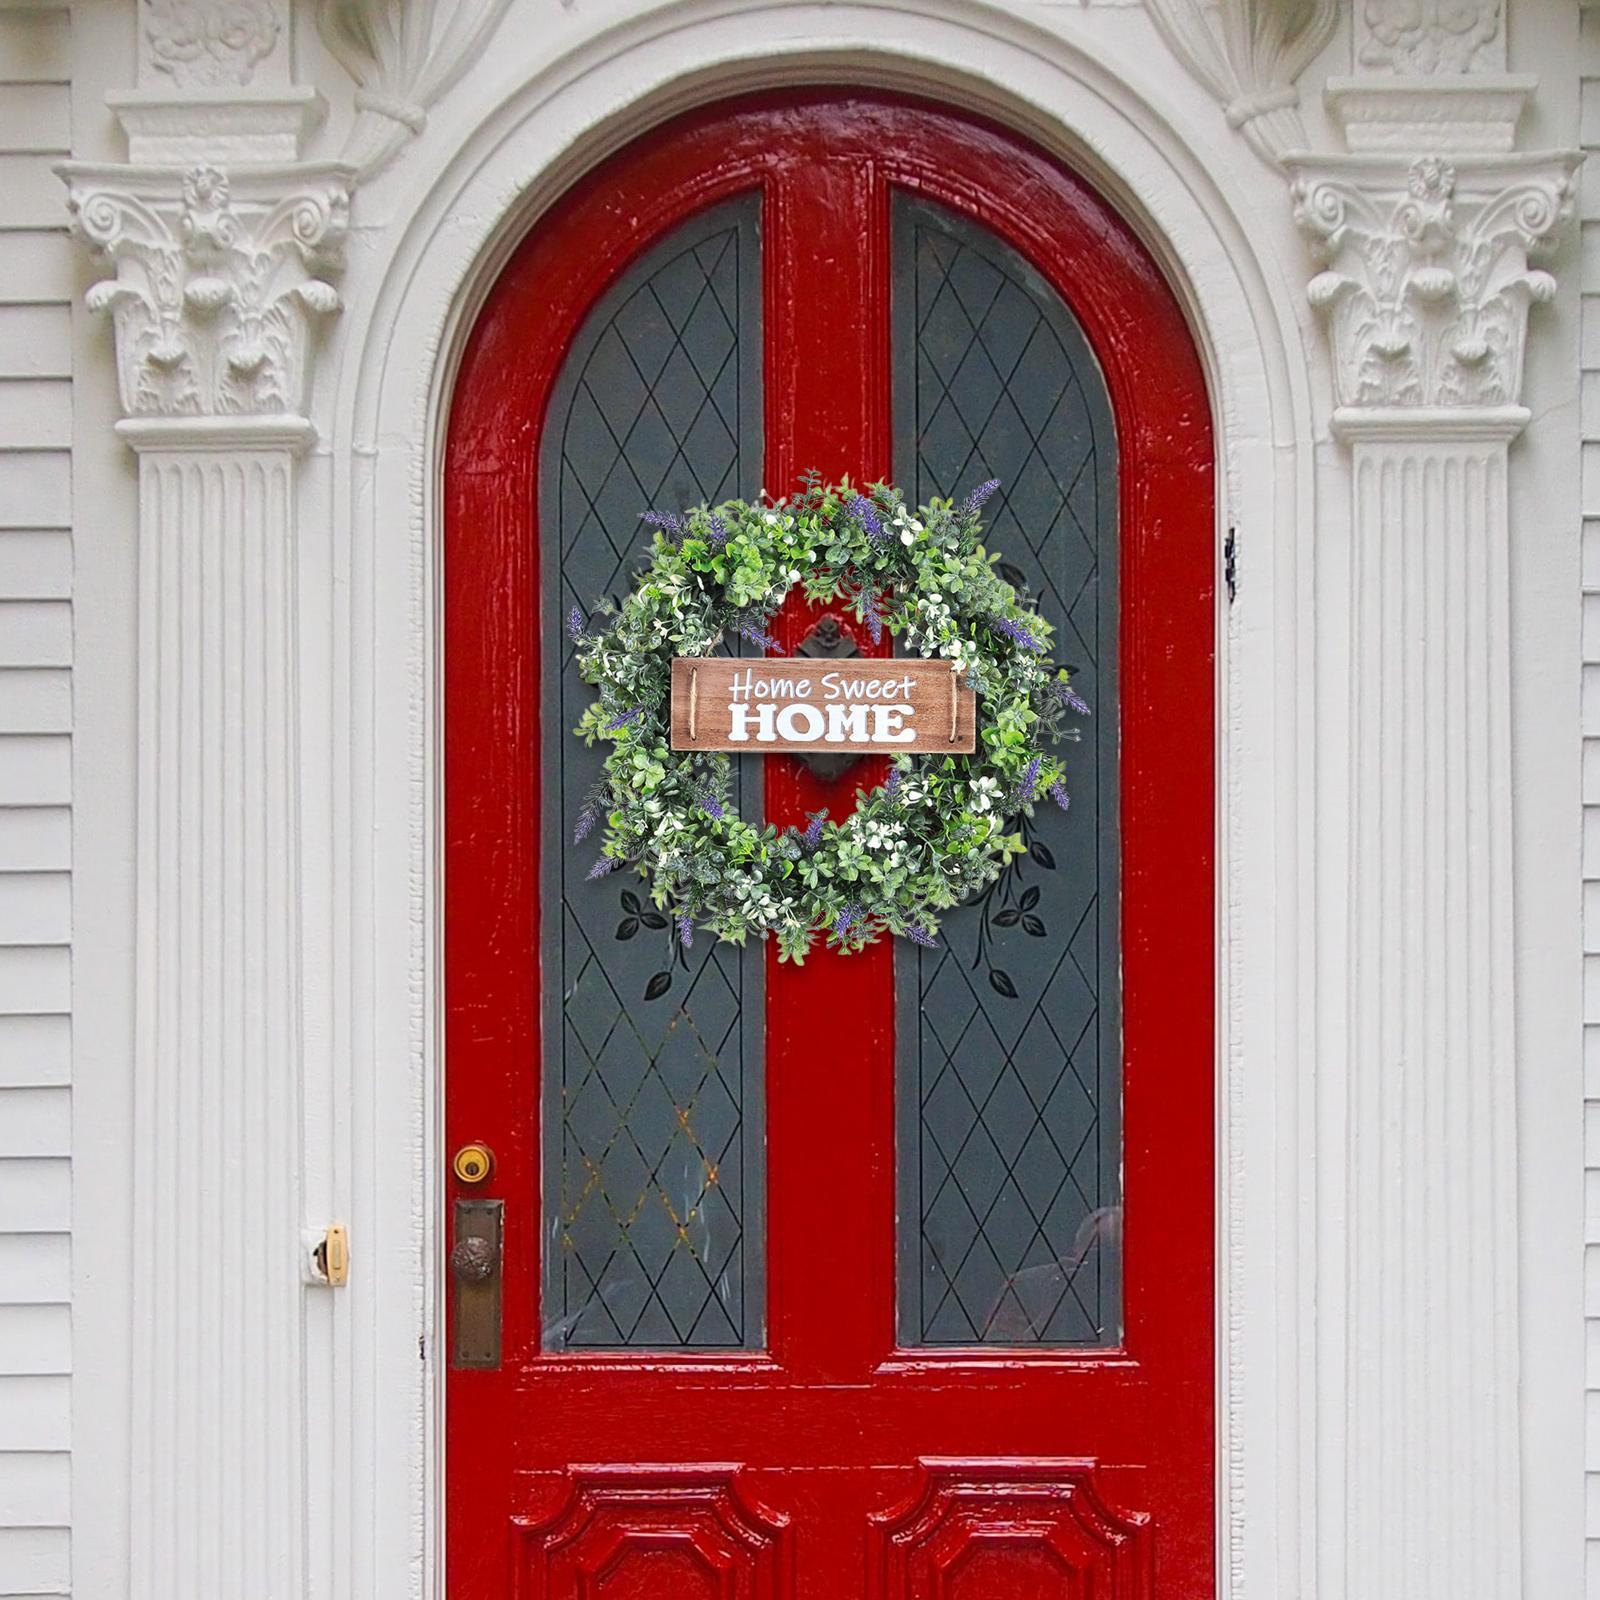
(473, 1260)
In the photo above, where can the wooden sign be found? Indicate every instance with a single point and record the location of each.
(770, 704)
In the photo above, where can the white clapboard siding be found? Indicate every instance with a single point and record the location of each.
(1589, 212)
(37, 275)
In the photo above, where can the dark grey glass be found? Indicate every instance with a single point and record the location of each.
(1009, 1034)
(653, 1131)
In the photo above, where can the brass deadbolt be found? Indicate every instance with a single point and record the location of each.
(473, 1163)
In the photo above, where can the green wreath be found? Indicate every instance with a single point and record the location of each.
(936, 832)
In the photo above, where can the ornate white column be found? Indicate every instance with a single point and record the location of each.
(220, 282)
(1426, 289)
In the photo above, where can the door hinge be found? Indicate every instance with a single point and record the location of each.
(1230, 564)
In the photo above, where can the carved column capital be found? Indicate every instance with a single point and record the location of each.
(219, 280)
(1426, 282)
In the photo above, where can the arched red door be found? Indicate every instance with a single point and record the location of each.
(890, 1275)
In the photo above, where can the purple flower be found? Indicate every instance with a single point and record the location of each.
(685, 929)
(921, 936)
(664, 520)
(618, 723)
(812, 836)
(1058, 793)
(892, 788)
(604, 865)
(712, 806)
(751, 629)
(1028, 787)
(974, 501)
(1071, 697)
(1010, 628)
(718, 534)
(575, 624)
(846, 920)
(863, 510)
(872, 615)
(587, 817)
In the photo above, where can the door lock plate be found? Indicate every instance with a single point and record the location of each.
(475, 1261)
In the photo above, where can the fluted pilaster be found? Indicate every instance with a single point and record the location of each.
(1427, 286)
(218, 1469)
(1429, 1425)
(218, 286)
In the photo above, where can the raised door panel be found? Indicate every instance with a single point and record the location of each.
(653, 1533)
(1025, 1530)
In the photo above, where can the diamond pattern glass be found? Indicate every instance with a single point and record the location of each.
(652, 1128)
(1009, 1033)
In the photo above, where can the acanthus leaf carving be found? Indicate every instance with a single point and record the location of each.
(1425, 37)
(1249, 54)
(217, 289)
(403, 55)
(1426, 282)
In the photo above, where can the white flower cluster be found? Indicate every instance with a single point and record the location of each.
(907, 526)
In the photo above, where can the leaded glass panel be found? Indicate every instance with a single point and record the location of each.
(653, 1134)
(1009, 1034)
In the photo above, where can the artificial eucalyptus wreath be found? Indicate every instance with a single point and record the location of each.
(941, 827)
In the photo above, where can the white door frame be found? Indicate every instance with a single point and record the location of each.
(1142, 138)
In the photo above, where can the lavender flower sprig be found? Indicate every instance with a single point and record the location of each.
(974, 501)
(1027, 786)
(752, 630)
(872, 615)
(685, 929)
(575, 625)
(712, 806)
(863, 510)
(846, 920)
(921, 936)
(717, 534)
(618, 723)
(1010, 628)
(601, 867)
(665, 520)
(1064, 692)
(812, 836)
(1058, 793)
(587, 817)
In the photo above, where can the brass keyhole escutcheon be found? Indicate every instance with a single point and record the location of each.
(473, 1163)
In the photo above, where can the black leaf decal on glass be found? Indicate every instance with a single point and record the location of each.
(653, 919)
(1034, 926)
(1030, 897)
(1015, 576)
(1001, 983)
(658, 986)
(1041, 853)
(630, 901)
(627, 927)
(1007, 918)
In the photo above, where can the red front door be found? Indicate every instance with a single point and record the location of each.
(890, 1275)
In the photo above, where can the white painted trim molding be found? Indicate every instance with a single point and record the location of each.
(444, 219)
